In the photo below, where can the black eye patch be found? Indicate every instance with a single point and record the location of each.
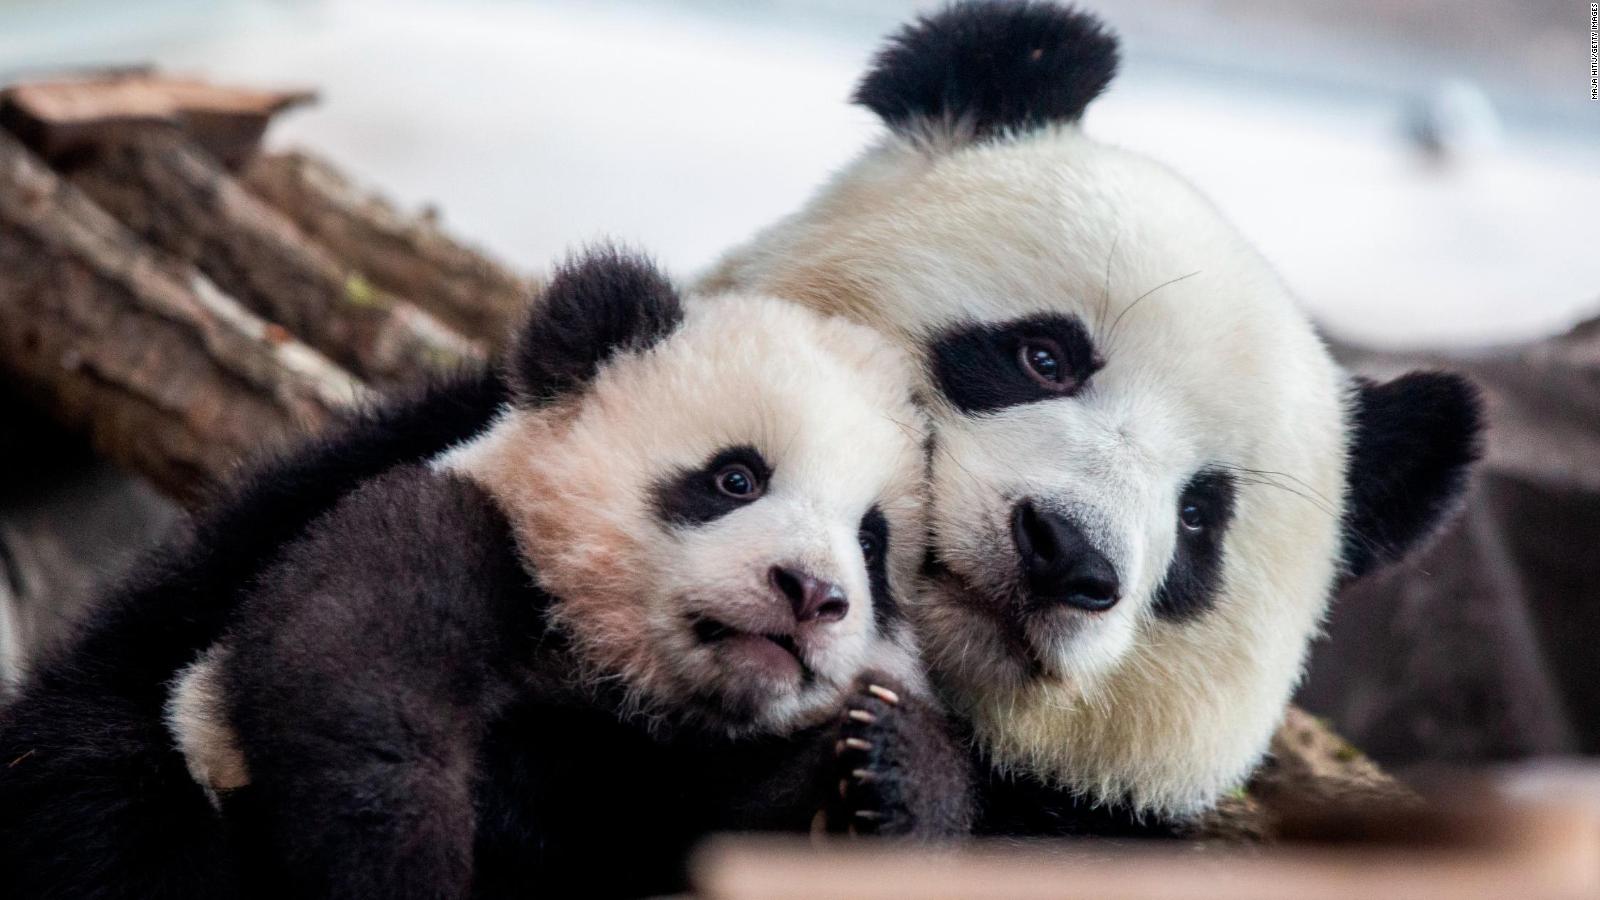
(986, 366)
(1195, 575)
(693, 497)
(884, 607)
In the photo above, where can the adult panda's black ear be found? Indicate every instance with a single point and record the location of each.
(1413, 443)
(986, 68)
(596, 305)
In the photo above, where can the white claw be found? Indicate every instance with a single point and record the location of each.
(871, 815)
(883, 693)
(862, 716)
(863, 776)
(857, 744)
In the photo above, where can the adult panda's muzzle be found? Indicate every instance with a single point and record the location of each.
(1059, 562)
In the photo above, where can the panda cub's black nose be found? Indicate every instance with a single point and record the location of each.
(1059, 563)
(812, 599)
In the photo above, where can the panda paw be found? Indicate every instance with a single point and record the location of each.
(900, 771)
(865, 757)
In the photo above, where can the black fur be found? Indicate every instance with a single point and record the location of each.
(910, 780)
(692, 497)
(87, 728)
(994, 67)
(1413, 443)
(978, 365)
(885, 609)
(575, 803)
(603, 303)
(412, 728)
(1019, 804)
(366, 669)
(1195, 574)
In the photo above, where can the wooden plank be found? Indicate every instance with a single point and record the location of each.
(1529, 850)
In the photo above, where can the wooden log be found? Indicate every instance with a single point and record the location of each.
(408, 255)
(1311, 775)
(176, 198)
(64, 116)
(168, 375)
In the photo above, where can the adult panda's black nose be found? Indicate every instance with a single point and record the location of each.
(812, 599)
(1059, 563)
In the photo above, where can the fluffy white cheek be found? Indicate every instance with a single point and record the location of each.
(970, 512)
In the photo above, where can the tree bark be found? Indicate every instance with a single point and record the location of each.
(168, 375)
(60, 117)
(406, 255)
(179, 200)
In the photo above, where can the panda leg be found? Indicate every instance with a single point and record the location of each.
(367, 792)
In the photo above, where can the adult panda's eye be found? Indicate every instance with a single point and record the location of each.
(739, 482)
(1192, 517)
(1044, 362)
(870, 546)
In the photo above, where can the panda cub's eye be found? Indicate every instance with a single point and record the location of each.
(738, 481)
(871, 546)
(1043, 360)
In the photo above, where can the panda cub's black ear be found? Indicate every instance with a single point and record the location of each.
(596, 305)
(1413, 443)
(991, 68)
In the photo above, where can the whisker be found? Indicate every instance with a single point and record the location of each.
(1265, 472)
(1112, 335)
(1105, 290)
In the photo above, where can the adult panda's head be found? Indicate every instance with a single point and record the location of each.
(724, 495)
(1148, 474)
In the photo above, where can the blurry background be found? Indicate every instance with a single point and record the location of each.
(1317, 125)
(1426, 175)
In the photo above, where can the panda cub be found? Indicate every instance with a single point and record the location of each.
(1149, 475)
(622, 615)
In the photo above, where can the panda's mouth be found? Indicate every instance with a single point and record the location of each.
(773, 653)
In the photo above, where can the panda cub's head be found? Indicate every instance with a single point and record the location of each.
(1148, 473)
(723, 494)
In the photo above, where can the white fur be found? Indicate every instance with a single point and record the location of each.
(1215, 365)
(10, 641)
(828, 405)
(197, 719)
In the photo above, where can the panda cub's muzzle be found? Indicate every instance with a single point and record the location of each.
(1059, 564)
(780, 636)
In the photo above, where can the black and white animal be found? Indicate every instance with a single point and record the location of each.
(95, 799)
(1149, 474)
(627, 611)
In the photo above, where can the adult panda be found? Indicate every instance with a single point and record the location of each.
(1148, 474)
(627, 608)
